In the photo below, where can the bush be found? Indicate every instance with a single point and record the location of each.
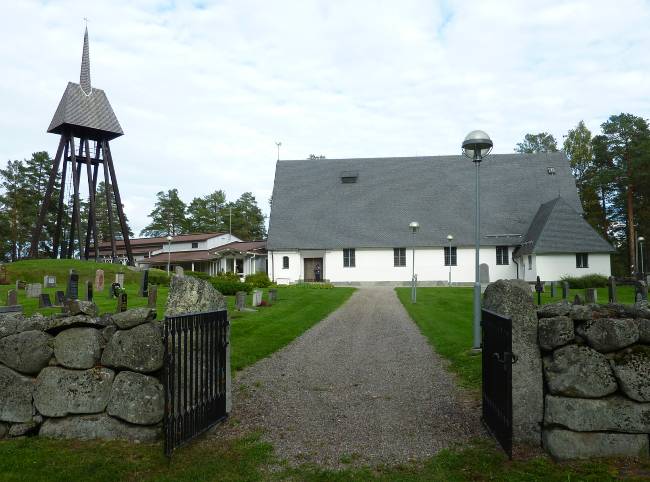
(229, 287)
(158, 277)
(258, 280)
(198, 274)
(313, 286)
(586, 281)
(228, 276)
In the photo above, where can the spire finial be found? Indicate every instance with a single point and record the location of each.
(84, 76)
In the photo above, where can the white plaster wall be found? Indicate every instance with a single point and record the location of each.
(528, 274)
(217, 241)
(293, 274)
(554, 266)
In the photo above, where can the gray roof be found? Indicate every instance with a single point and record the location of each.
(558, 228)
(313, 209)
(84, 109)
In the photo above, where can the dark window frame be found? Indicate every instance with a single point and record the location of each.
(349, 258)
(582, 260)
(399, 257)
(195, 245)
(530, 261)
(450, 254)
(285, 262)
(503, 255)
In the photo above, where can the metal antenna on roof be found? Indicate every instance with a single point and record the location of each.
(278, 144)
(230, 228)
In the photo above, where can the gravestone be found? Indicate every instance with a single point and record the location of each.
(34, 290)
(12, 298)
(4, 277)
(179, 271)
(257, 297)
(240, 300)
(89, 291)
(152, 297)
(591, 295)
(273, 294)
(565, 290)
(641, 293)
(49, 281)
(11, 309)
(484, 273)
(577, 300)
(72, 287)
(553, 289)
(539, 287)
(119, 278)
(59, 298)
(611, 290)
(122, 303)
(44, 301)
(21, 285)
(144, 284)
(99, 280)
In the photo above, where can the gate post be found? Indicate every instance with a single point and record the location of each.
(512, 299)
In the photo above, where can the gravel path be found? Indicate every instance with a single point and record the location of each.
(363, 385)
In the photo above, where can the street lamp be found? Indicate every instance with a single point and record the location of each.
(640, 240)
(169, 252)
(414, 225)
(450, 238)
(476, 146)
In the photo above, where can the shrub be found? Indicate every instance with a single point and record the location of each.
(198, 274)
(228, 275)
(258, 280)
(229, 287)
(586, 281)
(313, 286)
(158, 277)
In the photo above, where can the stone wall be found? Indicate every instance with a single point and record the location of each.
(81, 375)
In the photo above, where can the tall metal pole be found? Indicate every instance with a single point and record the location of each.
(450, 262)
(413, 288)
(641, 256)
(477, 280)
(169, 254)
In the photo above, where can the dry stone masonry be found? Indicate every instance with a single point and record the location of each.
(594, 379)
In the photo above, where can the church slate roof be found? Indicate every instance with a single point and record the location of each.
(558, 228)
(313, 209)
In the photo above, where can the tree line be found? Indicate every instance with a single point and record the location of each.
(612, 172)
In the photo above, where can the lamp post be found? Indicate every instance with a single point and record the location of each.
(414, 225)
(169, 252)
(476, 146)
(450, 238)
(640, 240)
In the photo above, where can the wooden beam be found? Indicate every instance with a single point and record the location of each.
(75, 225)
(92, 215)
(109, 203)
(59, 215)
(118, 201)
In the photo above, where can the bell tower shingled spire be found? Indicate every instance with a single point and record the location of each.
(84, 76)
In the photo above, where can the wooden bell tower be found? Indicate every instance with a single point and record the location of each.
(84, 118)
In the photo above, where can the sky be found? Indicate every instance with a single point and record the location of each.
(204, 90)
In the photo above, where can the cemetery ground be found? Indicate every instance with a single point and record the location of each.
(444, 317)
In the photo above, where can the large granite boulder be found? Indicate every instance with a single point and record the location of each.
(139, 349)
(60, 391)
(78, 347)
(60, 323)
(554, 332)
(513, 299)
(137, 398)
(561, 308)
(632, 370)
(188, 294)
(609, 414)
(8, 323)
(565, 444)
(610, 334)
(579, 371)
(581, 312)
(99, 426)
(25, 428)
(26, 352)
(644, 330)
(15, 396)
(12, 323)
(80, 307)
(642, 309)
(130, 318)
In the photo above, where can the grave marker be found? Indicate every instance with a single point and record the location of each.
(11, 309)
(34, 290)
(144, 284)
(119, 278)
(89, 291)
(21, 285)
(240, 300)
(553, 289)
(565, 290)
(641, 292)
(577, 300)
(591, 295)
(72, 286)
(99, 280)
(59, 298)
(611, 290)
(12, 298)
(273, 294)
(49, 281)
(4, 277)
(44, 301)
(122, 302)
(152, 297)
(257, 297)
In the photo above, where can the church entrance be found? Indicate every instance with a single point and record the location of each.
(313, 269)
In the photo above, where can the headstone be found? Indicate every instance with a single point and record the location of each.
(591, 295)
(99, 280)
(21, 285)
(484, 273)
(179, 271)
(72, 287)
(152, 297)
(4, 277)
(11, 309)
(553, 289)
(565, 290)
(273, 294)
(89, 291)
(641, 291)
(257, 297)
(539, 287)
(240, 300)
(49, 281)
(119, 278)
(122, 302)
(34, 290)
(611, 290)
(44, 301)
(144, 284)
(577, 300)
(59, 298)
(12, 298)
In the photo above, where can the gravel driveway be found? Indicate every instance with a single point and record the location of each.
(362, 386)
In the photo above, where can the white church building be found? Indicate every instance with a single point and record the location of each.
(347, 220)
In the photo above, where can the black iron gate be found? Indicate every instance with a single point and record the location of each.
(195, 375)
(497, 377)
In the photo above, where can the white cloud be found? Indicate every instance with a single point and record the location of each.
(203, 93)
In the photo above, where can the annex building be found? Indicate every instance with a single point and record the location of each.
(347, 220)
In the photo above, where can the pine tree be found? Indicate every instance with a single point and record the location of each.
(168, 216)
(207, 214)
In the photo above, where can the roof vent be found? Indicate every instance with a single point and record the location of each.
(349, 177)
(550, 171)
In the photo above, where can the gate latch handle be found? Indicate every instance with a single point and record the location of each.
(502, 357)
